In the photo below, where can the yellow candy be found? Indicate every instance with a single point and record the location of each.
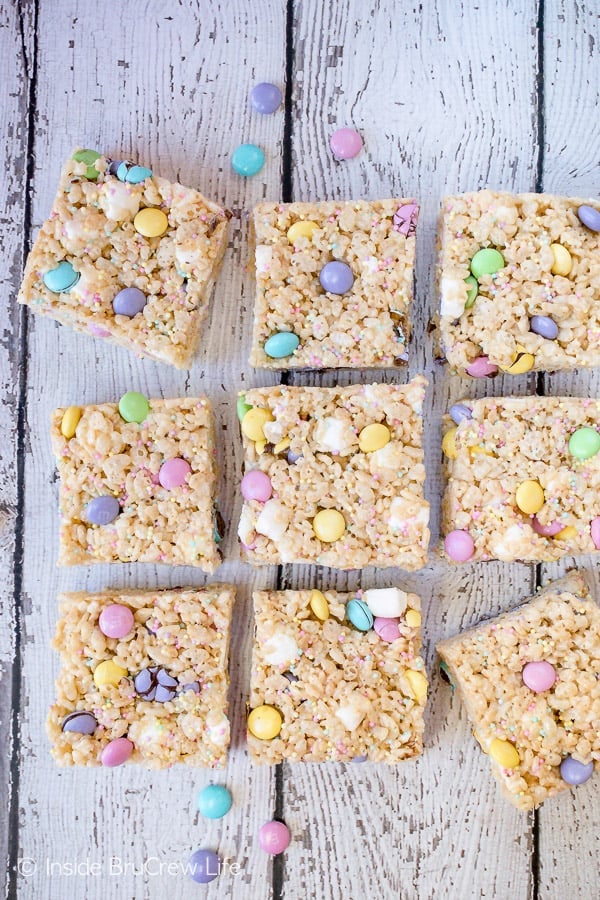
(413, 618)
(329, 525)
(530, 497)
(301, 229)
(449, 444)
(567, 533)
(108, 672)
(254, 422)
(283, 444)
(373, 437)
(522, 362)
(70, 421)
(151, 222)
(563, 261)
(418, 684)
(319, 605)
(265, 722)
(504, 753)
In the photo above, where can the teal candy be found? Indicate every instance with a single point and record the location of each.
(137, 174)
(214, 801)
(282, 343)
(62, 278)
(359, 615)
(247, 159)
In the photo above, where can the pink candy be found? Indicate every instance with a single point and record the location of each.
(387, 629)
(481, 367)
(546, 530)
(346, 143)
(116, 621)
(116, 752)
(256, 486)
(274, 837)
(539, 676)
(98, 331)
(595, 532)
(173, 473)
(459, 545)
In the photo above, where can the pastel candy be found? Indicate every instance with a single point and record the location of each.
(62, 278)
(574, 772)
(589, 217)
(102, 510)
(359, 614)
(214, 801)
(546, 530)
(387, 629)
(539, 676)
(459, 545)
(336, 277)
(458, 412)
(80, 722)
(174, 472)
(281, 344)
(595, 532)
(116, 620)
(129, 302)
(266, 98)
(346, 143)
(256, 485)
(248, 160)
(584, 443)
(274, 837)
(386, 602)
(481, 368)
(203, 866)
(116, 752)
(544, 326)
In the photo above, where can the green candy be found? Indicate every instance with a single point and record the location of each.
(486, 262)
(242, 407)
(134, 407)
(584, 443)
(88, 157)
(472, 291)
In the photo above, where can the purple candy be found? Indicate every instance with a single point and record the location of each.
(459, 545)
(192, 686)
(204, 866)
(590, 217)
(336, 277)
(359, 759)
(265, 97)
(293, 457)
(102, 510)
(129, 302)
(481, 367)
(116, 620)
(114, 165)
(256, 485)
(116, 752)
(155, 683)
(574, 772)
(80, 722)
(544, 326)
(459, 411)
(595, 532)
(346, 143)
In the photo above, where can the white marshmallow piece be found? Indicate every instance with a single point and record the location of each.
(273, 520)
(389, 603)
(264, 257)
(119, 201)
(353, 711)
(454, 296)
(334, 434)
(280, 649)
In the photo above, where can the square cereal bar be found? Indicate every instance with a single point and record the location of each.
(529, 681)
(334, 476)
(323, 688)
(141, 489)
(143, 678)
(534, 302)
(333, 284)
(128, 256)
(523, 478)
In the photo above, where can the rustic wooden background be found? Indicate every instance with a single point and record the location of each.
(449, 95)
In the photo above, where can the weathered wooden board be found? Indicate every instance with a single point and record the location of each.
(569, 825)
(439, 113)
(172, 91)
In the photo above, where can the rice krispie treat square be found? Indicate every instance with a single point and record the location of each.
(529, 682)
(143, 678)
(127, 256)
(519, 282)
(334, 476)
(333, 284)
(523, 478)
(137, 482)
(336, 677)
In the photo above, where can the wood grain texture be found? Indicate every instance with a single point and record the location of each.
(569, 825)
(171, 91)
(16, 42)
(440, 113)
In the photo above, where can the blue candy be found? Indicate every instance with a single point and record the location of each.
(359, 615)
(61, 279)
(214, 801)
(282, 343)
(247, 159)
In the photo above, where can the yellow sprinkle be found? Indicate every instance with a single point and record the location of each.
(413, 618)
(504, 753)
(283, 444)
(563, 261)
(373, 437)
(319, 605)
(329, 525)
(449, 443)
(567, 533)
(70, 421)
(530, 497)
(108, 672)
(254, 421)
(418, 684)
(301, 229)
(151, 222)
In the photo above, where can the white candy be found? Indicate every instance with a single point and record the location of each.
(389, 603)
(273, 520)
(353, 712)
(280, 649)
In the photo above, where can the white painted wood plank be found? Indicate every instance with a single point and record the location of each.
(569, 825)
(170, 89)
(443, 97)
(16, 44)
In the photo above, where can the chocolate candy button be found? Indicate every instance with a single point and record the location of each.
(386, 628)
(173, 473)
(265, 722)
(102, 510)
(481, 368)
(265, 97)
(539, 676)
(129, 302)
(336, 277)
(459, 545)
(530, 497)
(151, 222)
(472, 290)
(70, 421)
(486, 262)
(589, 217)
(504, 753)
(329, 525)
(61, 279)
(256, 485)
(133, 174)
(80, 722)
(584, 443)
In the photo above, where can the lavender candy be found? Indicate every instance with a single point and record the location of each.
(544, 326)
(129, 302)
(458, 412)
(102, 510)
(80, 722)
